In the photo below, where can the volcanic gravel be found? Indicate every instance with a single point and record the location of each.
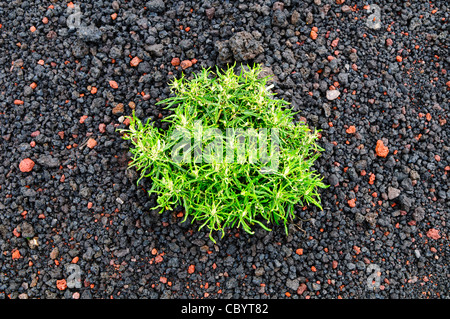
(70, 209)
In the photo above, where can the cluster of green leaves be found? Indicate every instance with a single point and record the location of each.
(228, 194)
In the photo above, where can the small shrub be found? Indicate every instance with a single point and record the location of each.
(240, 184)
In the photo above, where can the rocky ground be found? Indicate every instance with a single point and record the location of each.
(73, 222)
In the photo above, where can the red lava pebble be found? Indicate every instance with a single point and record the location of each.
(191, 269)
(102, 127)
(61, 284)
(372, 179)
(91, 143)
(352, 202)
(175, 61)
(83, 118)
(313, 33)
(351, 130)
(381, 149)
(334, 264)
(433, 233)
(301, 289)
(26, 165)
(186, 64)
(334, 43)
(16, 254)
(135, 61)
(114, 84)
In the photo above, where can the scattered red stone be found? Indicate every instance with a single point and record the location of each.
(399, 58)
(114, 84)
(18, 102)
(433, 233)
(381, 150)
(299, 251)
(334, 43)
(437, 158)
(119, 108)
(35, 133)
(91, 143)
(158, 259)
(334, 264)
(26, 165)
(61, 284)
(357, 249)
(33, 85)
(371, 179)
(389, 42)
(313, 34)
(61, 134)
(163, 280)
(301, 289)
(102, 127)
(44, 20)
(186, 64)
(15, 254)
(83, 118)
(191, 269)
(352, 202)
(175, 61)
(351, 130)
(32, 28)
(135, 61)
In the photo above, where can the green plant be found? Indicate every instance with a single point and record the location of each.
(222, 193)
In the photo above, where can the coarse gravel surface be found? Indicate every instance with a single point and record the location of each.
(378, 89)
